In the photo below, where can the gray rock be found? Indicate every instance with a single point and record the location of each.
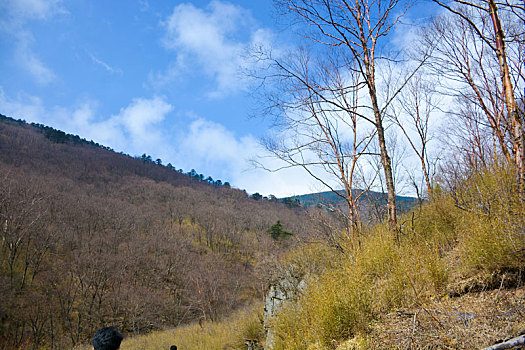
(286, 289)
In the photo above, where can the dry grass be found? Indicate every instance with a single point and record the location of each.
(442, 251)
(334, 306)
(228, 334)
(437, 284)
(472, 321)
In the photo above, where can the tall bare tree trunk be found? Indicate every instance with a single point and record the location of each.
(385, 158)
(387, 165)
(357, 27)
(518, 140)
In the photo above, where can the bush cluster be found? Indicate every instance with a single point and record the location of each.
(472, 230)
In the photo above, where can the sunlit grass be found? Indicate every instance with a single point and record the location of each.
(227, 334)
(477, 235)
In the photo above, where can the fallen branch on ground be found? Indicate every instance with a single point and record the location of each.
(508, 344)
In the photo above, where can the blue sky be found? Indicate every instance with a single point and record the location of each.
(155, 77)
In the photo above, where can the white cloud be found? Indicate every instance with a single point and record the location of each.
(208, 145)
(15, 16)
(37, 69)
(23, 107)
(141, 118)
(213, 41)
(137, 128)
(28, 61)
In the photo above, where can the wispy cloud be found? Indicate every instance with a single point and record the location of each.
(144, 5)
(20, 11)
(21, 107)
(29, 61)
(141, 118)
(14, 18)
(104, 65)
(136, 128)
(212, 40)
(209, 145)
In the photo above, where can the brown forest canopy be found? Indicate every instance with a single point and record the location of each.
(91, 237)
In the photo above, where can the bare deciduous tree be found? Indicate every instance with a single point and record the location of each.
(357, 32)
(482, 34)
(321, 128)
(412, 114)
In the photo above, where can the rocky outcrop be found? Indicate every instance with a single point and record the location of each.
(284, 290)
(252, 344)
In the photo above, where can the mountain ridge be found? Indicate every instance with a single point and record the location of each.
(329, 198)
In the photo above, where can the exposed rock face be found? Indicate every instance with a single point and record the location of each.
(252, 345)
(284, 290)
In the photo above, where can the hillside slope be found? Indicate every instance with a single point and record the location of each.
(91, 237)
(450, 277)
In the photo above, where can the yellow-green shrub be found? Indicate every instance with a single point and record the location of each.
(435, 223)
(491, 235)
(491, 245)
(479, 227)
(312, 258)
(384, 272)
(335, 306)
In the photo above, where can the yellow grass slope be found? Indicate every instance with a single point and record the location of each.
(451, 278)
(228, 334)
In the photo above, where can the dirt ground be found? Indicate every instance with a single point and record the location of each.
(471, 321)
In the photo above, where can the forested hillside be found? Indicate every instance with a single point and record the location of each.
(91, 237)
(369, 99)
